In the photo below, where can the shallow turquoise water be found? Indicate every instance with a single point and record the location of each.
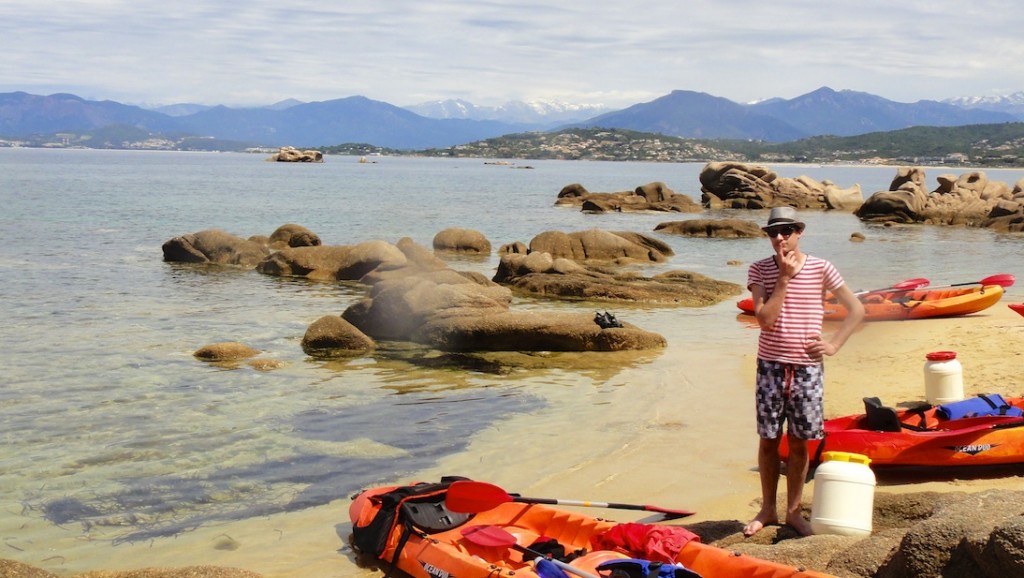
(109, 422)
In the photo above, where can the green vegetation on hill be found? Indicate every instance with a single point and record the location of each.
(996, 145)
(987, 145)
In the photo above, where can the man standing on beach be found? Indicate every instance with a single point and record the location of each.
(788, 289)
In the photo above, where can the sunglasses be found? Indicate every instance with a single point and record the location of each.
(786, 231)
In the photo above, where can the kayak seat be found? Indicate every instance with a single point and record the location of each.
(880, 417)
(884, 418)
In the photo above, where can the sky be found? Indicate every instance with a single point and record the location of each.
(488, 52)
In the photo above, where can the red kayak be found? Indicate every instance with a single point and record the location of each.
(1018, 307)
(917, 304)
(979, 431)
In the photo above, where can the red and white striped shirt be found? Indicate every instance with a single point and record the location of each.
(802, 311)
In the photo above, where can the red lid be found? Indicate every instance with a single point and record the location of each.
(941, 355)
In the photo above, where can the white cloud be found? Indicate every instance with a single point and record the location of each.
(492, 51)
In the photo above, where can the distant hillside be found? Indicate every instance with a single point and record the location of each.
(23, 114)
(845, 113)
(61, 119)
(999, 145)
(691, 114)
(982, 145)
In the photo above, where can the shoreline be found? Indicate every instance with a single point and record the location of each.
(617, 446)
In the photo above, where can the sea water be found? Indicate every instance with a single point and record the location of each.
(113, 431)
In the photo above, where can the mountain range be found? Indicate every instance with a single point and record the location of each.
(357, 119)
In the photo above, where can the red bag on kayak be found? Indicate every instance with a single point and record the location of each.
(650, 541)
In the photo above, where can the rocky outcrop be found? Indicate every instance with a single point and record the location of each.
(600, 245)
(928, 534)
(543, 275)
(717, 228)
(743, 186)
(214, 246)
(294, 155)
(970, 199)
(653, 196)
(416, 297)
(332, 262)
(465, 241)
(456, 312)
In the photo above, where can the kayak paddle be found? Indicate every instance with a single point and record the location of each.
(1003, 280)
(468, 496)
(908, 285)
(495, 537)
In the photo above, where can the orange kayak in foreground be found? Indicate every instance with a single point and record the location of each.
(916, 304)
(928, 436)
(446, 548)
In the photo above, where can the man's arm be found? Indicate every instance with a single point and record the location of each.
(854, 315)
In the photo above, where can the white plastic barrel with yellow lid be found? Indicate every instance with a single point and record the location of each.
(943, 378)
(844, 495)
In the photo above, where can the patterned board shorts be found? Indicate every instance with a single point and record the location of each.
(790, 393)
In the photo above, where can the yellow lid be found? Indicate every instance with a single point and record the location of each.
(845, 457)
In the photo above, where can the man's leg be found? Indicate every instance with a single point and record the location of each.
(768, 468)
(796, 476)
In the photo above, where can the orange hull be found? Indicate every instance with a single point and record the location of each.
(918, 304)
(973, 441)
(449, 553)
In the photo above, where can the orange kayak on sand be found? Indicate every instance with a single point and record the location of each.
(929, 436)
(425, 539)
(916, 304)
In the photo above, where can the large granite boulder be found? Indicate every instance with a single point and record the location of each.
(332, 262)
(459, 240)
(417, 260)
(743, 186)
(452, 311)
(654, 196)
(541, 274)
(717, 228)
(600, 245)
(214, 246)
(970, 199)
(396, 308)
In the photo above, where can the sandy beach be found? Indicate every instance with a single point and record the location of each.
(639, 447)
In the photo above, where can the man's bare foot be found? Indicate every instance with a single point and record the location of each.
(758, 523)
(798, 523)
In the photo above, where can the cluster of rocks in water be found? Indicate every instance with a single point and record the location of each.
(294, 155)
(414, 296)
(970, 199)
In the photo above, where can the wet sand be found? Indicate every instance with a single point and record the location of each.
(641, 440)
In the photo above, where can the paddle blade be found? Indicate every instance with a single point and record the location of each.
(471, 497)
(910, 284)
(488, 536)
(548, 569)
(1004, 280)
